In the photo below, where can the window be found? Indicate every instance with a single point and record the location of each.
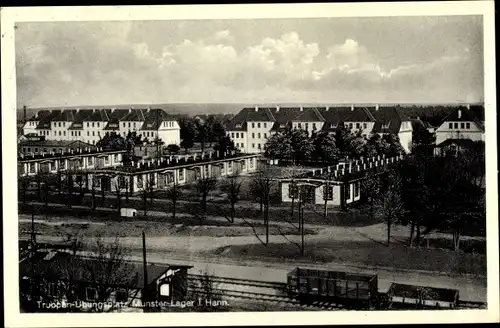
(265, 135)
(229, 166)
(60, 133)
(327, 192)
(181, 174)
(365, 125)
(106, 159)
(314, 126)
(88, 133)
(121, 182)
(52, 289)
(121, 295)
(356, 189)
(265, 125)
(462, 125)
(72, 133)
(64, 133)
(36, 150)
(456, 125)
(307, 125)
(253, 135)
(91, 294)
(348, 192)
(232, 135)
(251, 162)
(45, 150)
(299, 125)
(93, 133)
(206, 170)
(253, 125)
(253, 145)
(129, 124)
(90, 161)
(358, 126)
(258, 145)
(88, 124)
(32, 167)
(350, 125)
(139, 181)
(258, 135)
(92, 124)
(467, 125)
(450, 125)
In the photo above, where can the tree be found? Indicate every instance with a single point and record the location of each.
(203, 132)
(278, 146)
(112, 141)
(225, 146)
(376, 145)
(261, 188)
(108, 266)
(371, 188)
(232, 188)
(390, 205)
(187, 143)
(325, 148)
(302, 146)
(204, 186)
(173, 193)
(173, 149)
(395, 147)
(147, 191)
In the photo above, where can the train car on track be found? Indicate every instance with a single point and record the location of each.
(401, 296)
(346, 289)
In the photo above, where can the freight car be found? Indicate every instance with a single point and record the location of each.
(401, 296)
(345, 289)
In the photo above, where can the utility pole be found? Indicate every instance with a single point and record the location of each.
(145, 291)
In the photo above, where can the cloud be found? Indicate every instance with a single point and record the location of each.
(96, 63)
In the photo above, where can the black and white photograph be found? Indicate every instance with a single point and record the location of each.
(304, 164)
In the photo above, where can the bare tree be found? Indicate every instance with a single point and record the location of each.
(232, 188)
(173, 193)
(390, 206)
(108, 267)
(371, 187)
(204, 186)
(263, 185)
(147, 192)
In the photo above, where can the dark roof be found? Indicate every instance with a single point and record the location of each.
(49, 264)
(388, 119)
(112, 126)
(98, 115)
(334, 116)
(474, 114)
(427, 293)
(459, 142)
(360, 114)
(40, 115)
(153, 119)
(134, 115)
(310, 114)
(117, 114)
(53, 143)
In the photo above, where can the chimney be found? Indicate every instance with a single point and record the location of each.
(301, 108)
(24, 113)
(130, 110)
(376, 107)
(256, 108)
(459, 113)
(327, 108)
(352, 107)
(468, 106)
(277, 109)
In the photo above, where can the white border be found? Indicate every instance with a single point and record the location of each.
(11, 15)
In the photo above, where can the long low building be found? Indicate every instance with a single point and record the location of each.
(337, 185)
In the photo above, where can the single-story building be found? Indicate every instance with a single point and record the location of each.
(337, 185)
(78, 283)
(37, 145)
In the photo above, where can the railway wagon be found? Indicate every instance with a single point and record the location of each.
(343, 288)
(401, 296)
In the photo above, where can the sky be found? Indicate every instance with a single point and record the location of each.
(435, 59)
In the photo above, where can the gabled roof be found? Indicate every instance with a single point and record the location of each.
(97, 116)
(360, 114)
(41, 114)
(116, 115)
(334, 116)
(283, 116)
(135, 115)
(310, 114)
(467, 143)
(388, 119)
(153, 119)
(474, 114)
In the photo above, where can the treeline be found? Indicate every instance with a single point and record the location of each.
(297, 146)
(434, 193)
(205, 131)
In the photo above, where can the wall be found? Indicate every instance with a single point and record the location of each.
(252, 136)
(308, 126)
(444, 132)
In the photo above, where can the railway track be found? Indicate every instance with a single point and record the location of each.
(269, 292)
